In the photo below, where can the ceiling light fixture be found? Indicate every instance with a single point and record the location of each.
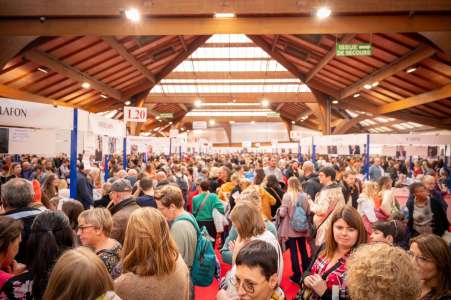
(103, 96)
(85, 85)
(411, 69)
(367, 86)
(293, 122)
(375, 84)
(128, 102)
(182, 128)
(198, 103)
(335, 102)
(356, 95)
(133, 14)
(225, 15)
(232, 122)
(265, 103)
(212, 122)
(157, 117)
(170, 123)
(252, 122)
(323, 12)
(43, 70)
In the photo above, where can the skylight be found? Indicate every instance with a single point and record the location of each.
(230, 89)
(229, 38)
(229, 66)
(231, 113)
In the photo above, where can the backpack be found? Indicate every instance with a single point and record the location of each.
(181, 182)
(204, 264)
(299, 220)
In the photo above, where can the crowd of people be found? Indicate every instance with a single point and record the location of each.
(155, 229)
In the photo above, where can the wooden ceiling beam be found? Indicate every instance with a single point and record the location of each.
(11, 45)
(66, 70)
(107, 8)
(13, 93)
(424, 98)
(398, 65)
(168, 69)
(208, 25)
(328, 57)
(113, 43)
(346, 125)
(302, 97)
(224, 119)
(182, 106)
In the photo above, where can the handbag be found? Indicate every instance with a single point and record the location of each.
(220, 220)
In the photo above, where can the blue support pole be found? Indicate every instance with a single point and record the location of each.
(73, 156)
(367, 157)
(124, 154)
(411, 166)
(313, 153)
(107, 169)
(300, 158)
(145, 157)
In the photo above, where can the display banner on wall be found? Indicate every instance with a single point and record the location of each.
(199, 125)
(149, 145)
(106, 126)
(15, 113)
(135, 114)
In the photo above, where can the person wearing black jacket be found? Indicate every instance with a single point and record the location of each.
(84, 188)
(350, 188)
(426, 214)
(309, 181)
(17, 194)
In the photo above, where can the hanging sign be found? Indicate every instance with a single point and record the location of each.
(363, 49)
(135, 114)
(199, 125)
(166, 115)
(273, 114)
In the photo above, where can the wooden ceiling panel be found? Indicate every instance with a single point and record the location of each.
(434, 78)
(73, 47)
(49, 80)
(57, 43)
(15, 74)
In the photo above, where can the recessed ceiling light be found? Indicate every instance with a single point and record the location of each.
(323, 12)
(225, 15)
(182, 129)
(335, 102)
(133, 14)
(212, 122)
(232, 122)
(103, 96)
(252, 122)
(265, 103)
(356, 95)
(367, 86)
(198, 103)
(411, 69)
(85, 85)
(170, 123)
(293, 122)
(128, 102)
(43, 70)
(375, 84)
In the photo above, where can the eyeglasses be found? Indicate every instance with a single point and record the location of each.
(248, 286)
(418, 258)
(83, 227)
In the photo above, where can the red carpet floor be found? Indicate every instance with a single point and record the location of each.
(290, 289)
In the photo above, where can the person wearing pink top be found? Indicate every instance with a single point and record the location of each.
(10, 237)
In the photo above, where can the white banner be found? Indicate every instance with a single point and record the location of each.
(14, 113)
(344, 139)
(135, 114)
(149, 145)
(410, 139)
(199, 125)
(104, 126)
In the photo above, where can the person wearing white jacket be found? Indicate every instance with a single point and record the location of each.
(365, 204)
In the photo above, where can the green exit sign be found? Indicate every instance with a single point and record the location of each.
(166, 115)
(363, 49)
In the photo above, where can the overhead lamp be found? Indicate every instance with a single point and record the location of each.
(103, 96)
(225, 15)
(198, 103)
(182, 128)
(335, 102)
(157, 117)
(375, 84)
(43, 70)
(323, 12)
(368, 86)
(252, 122)
(170, 123)
(411, 69)
(187, 130)
(232, 122)
(133, 14)
(128, 102)
(212, 122)
(356, 95)
(293, 122)
(86, 85)
(265, 103)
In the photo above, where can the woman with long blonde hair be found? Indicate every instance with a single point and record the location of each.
(150, 260)
(287, 234)
(79, 274)
(366, 206)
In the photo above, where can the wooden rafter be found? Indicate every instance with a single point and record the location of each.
(11, 45)
(424, 98)
(208, 26)
(66, 70)
(113, 43)
(327, 58)
(345, 125)
(391, 69)
(9, 92)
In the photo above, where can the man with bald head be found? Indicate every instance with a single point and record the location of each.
(309, 180)
(431, 185)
